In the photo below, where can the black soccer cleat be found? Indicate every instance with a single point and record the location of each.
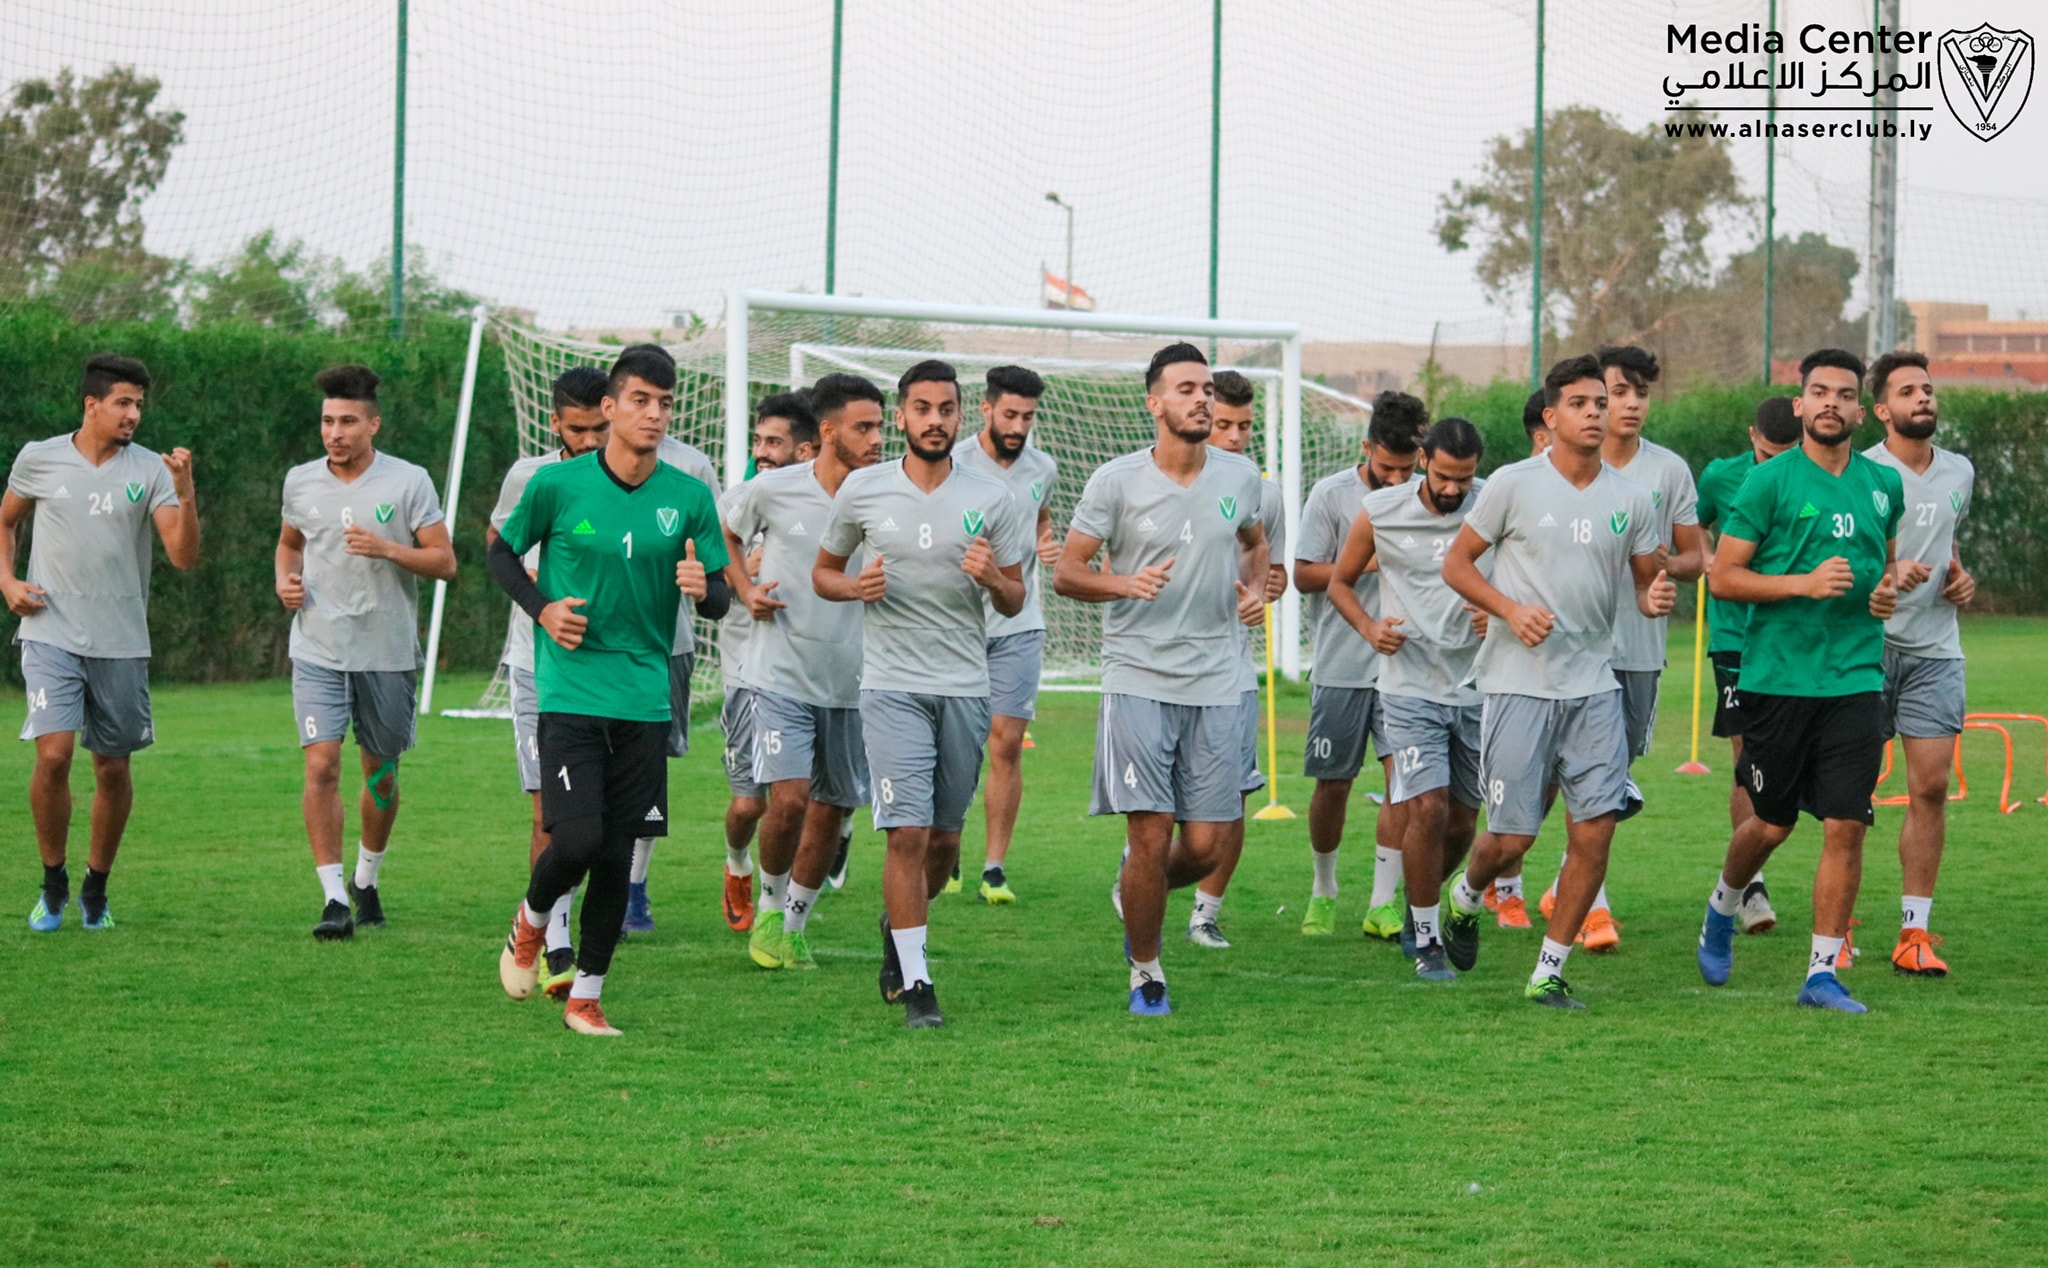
(335, 923)
(892, 967)
(1431, 964)
(921, 1008)
(836, 878)
(369, 907)
(1461, 937)
(1552, 992)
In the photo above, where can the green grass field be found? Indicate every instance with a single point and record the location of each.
(206, 1085)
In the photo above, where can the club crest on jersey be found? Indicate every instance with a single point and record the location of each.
(1955, 501)
(1228, 506)
(972, 522)
(135, 490)
(1882, 501)
(1657, 497)
(384, 512)
(666, 518)
(1618, 521)
(1038, 490)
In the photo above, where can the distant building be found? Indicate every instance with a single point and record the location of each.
(1965, 347)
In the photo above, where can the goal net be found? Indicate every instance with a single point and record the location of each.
(1093, 408)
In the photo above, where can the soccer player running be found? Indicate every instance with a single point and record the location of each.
(578, 422)
(1016, 644)
(360, 528)
(1231, 431)
(619, 533)
(803, 667)
(1344, 671)
(937, 535)
(1639, 640)
(1427, 637)
(84, 630)
(1923, 648)
(785, 432)
(1775, 429)
(1187, 564)
(1808, 544)
(1568, 535)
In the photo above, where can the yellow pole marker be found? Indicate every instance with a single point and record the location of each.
(1272, 809)
(1693, 765)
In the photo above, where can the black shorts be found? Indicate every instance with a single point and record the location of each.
(1727, 700)
(1820, 754)
(604, 769)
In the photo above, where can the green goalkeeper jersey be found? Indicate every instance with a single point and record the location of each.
(1719, 484)
(617, 549)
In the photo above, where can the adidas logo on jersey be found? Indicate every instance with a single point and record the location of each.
(63, 492)
(1146, 525)
(583, 530)
(313, 513)
(888, 525)
(1808, 511)
(1407, 541)
(797, 529)
(654, 815)
(1546, 522)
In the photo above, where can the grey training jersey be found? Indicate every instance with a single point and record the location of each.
(1030, 480)
(1184, 646)
(90, 554)
(810, 650)
(1410, 540)
(1565, 550)
(1341, 658)
(691, 461)
(736, 627)
(1674, 499)
(1272, 518)
(927, 636)
(360, 614)
(518, 652)
(1936, 501)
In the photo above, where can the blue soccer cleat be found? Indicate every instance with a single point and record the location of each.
(1717, 948)
(1825, 990)
(42, 919)
(1149, 1000)
(105, 920)
(638, 918)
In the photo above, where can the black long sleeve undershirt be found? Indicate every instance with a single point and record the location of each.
(509, 571)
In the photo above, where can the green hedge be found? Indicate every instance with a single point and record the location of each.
(242, 399)
(2005, 539)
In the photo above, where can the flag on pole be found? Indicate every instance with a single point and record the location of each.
(1057, 294)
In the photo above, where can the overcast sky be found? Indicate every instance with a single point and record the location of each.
(612, 162)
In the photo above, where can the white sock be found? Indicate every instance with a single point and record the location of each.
(330, 883)
(643, 850)
(1600, 899)
(1551, 893)
(738, 862)
(1425, 919)
(558, 921)
(1825, 951)
(1758, 879)
(1326, 874)
(1507, 887)
(1913, 912)
(1386, 874)
(796, 905)
(1550, 960)
(1206, 909)
(538, 919)
(367, 865)
(910, 954)
(1726, 899)
(1143, 971)
(586, 985)
(772, 889)
(1467, 899)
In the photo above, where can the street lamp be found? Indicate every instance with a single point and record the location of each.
(1068, 278)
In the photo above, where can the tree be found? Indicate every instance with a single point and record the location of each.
(267, 283)
(76, 160)
(1626, 218)
(363, 300)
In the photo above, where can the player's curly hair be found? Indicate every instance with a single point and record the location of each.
(349, 383)
(1882, 369)
(1398, 421)
(1569, 371)
(1832, 358)
(792, 408)
(1637, 365)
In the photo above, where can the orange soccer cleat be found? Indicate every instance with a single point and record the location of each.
(519, 963)
(1547, 903)
(1915, 954)
(586, 1017)
(1846, 958)
(1601, 933)
(739, 902)
(1491, 898)
(1512, 913)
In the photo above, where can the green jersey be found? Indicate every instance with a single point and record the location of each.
(1799, 516)
(617, 548)
(1719, 483)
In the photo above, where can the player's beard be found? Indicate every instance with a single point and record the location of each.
(1007, 445)
(1445, 503)
(1832, 439)
(939, 454)
(1194, 426)
(1917, 426)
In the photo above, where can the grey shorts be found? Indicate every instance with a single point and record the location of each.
(1528, 745)
(1186, 760)
(1014, 664)
(680, 667)
(384, 704)
(1639, 707)
(795, 740)
(736, 719)
(1248, 739)
(105, 699)
(1339, 720)
(525, 726)
(1923, 698)
(1433, 746)
(924, 756)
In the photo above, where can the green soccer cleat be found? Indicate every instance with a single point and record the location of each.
(1385, 920)
(796, 951)
(1321, 920)
(1551, 992)
(765, 943)
(995, 887)
(952, 883)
